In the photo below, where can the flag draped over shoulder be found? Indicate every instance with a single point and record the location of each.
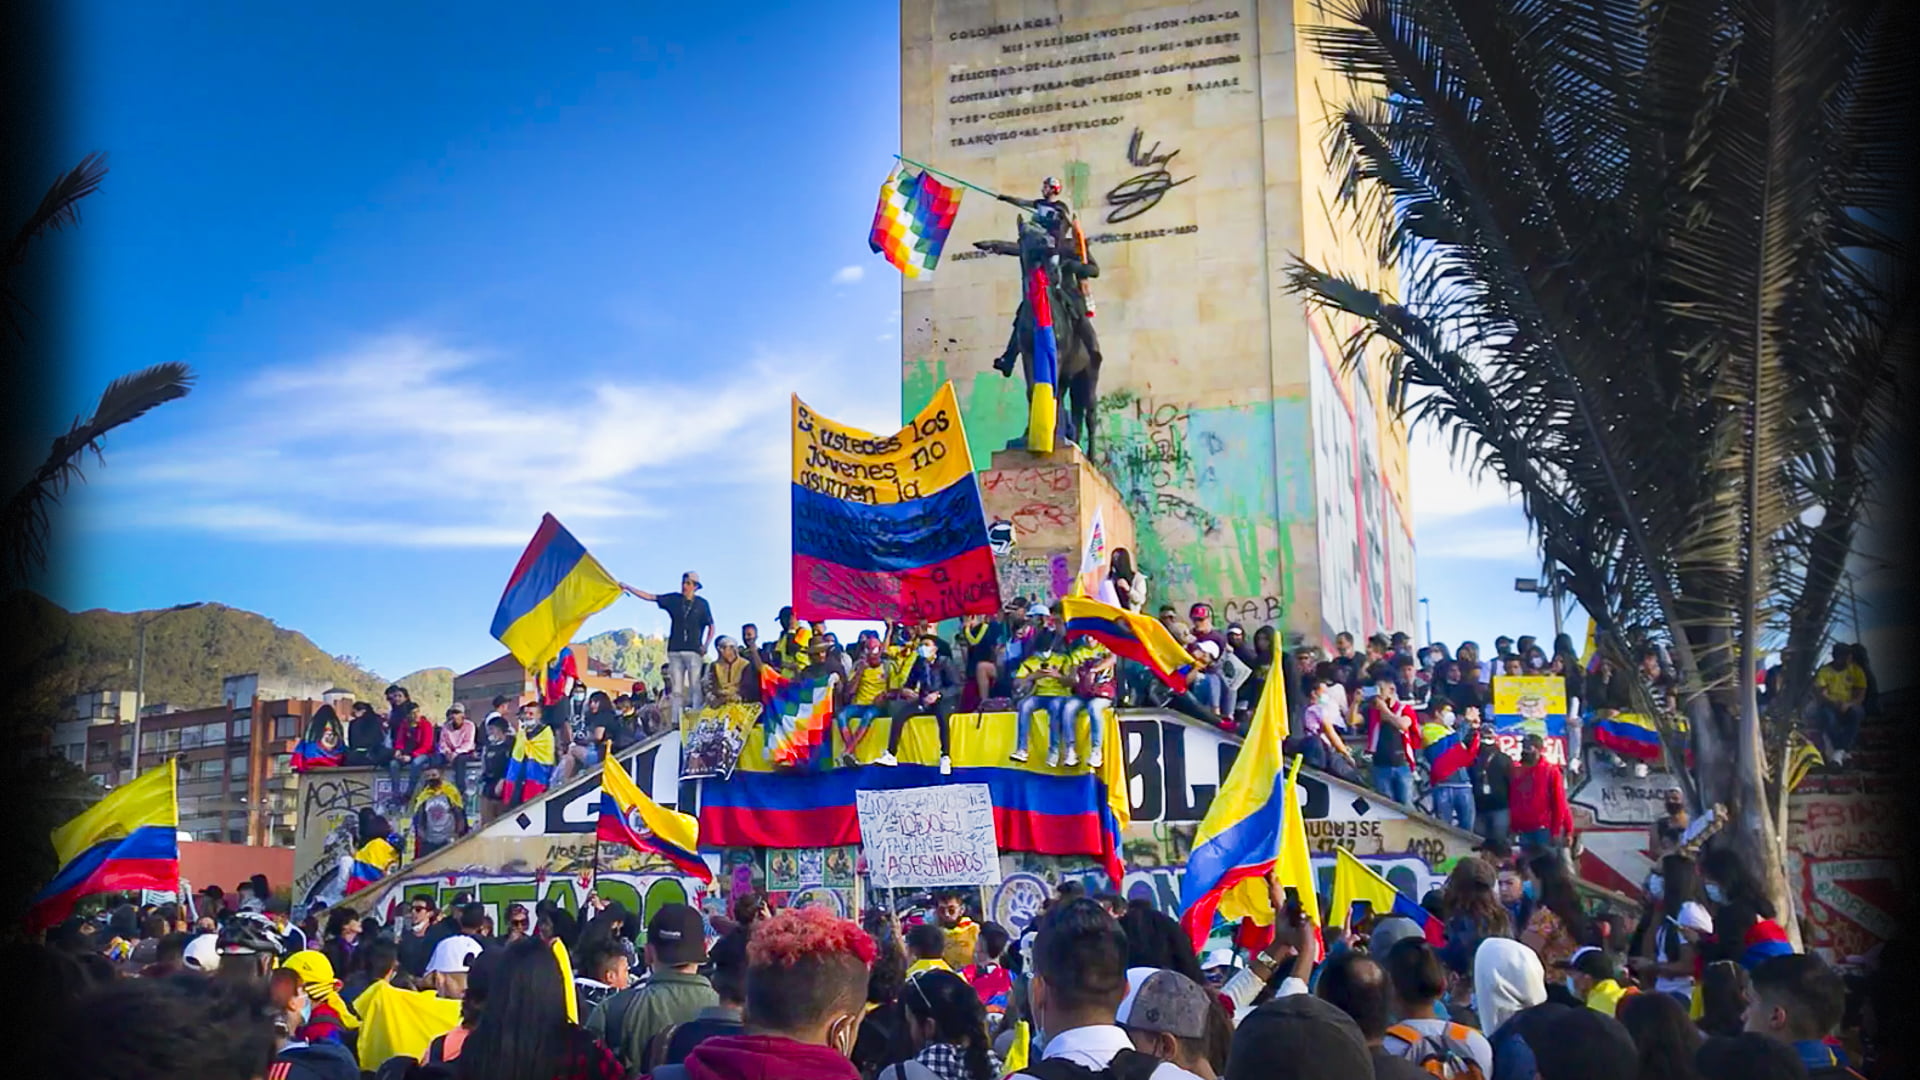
(1134, 636)
(889, 527)
(128, 840)
(552, 590)
(373, 860)
(911, 223)
(1239, 841)
(309, 755)
(400, 1023)
(628, 817)
(530, 765)
(562, 671)
(1355, 881)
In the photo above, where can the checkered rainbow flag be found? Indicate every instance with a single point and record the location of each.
(912, 221)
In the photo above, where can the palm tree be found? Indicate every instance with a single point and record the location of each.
(1651, 262)
(23, 519)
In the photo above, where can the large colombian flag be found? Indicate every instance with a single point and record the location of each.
(1355, 881)
(628, 817)
(1631, 734)
(1252, 829)
(553, 589)
(128, 840)
(889, 527)
(1134, 636)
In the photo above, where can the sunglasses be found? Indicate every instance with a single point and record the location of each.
(419, 908)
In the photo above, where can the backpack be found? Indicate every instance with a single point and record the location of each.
(1447, 1055)
(1126, 1065)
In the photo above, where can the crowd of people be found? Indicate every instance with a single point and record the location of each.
(1523, 983)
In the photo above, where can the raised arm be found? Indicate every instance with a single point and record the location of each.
(641, 593)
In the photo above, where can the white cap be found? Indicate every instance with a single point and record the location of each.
(454, 955)
(1212, 650)
(1219, 958)
(202, 953)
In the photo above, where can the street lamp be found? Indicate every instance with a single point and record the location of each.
(1426, 609)
(1547, 590)
(140, 676)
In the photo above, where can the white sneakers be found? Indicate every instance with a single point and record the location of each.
(946, 765)
(1073, 757)
(1093, 758)
(1053, 759)
(886, 759)
(1019, 755)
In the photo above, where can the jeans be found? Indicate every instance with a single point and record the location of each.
(1839, 723)
(1453, 804)
(683, 668)
(1492, 824)
(899, 711)
(1210, 690)
(1395, 782)
(1070, 720)
(1023, 719)
(1534, 838)
(415, 767)
(849, 732)
(1574, 727)
(463, 766)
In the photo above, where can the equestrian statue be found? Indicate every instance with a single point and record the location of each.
(1050, 238)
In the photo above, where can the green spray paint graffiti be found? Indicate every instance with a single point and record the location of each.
(1212, 523)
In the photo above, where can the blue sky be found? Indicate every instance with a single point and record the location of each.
(440, 270)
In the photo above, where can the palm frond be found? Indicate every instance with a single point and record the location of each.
(59, 207)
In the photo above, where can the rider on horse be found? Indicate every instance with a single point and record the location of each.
(1056, 218)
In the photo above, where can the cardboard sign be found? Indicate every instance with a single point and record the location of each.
(1530, 705)
(928, 837)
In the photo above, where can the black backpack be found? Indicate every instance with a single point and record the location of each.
(1126, 1065)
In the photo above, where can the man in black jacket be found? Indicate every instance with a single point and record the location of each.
(931, 687)
(1491, 773)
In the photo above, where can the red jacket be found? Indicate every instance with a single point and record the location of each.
(416, 739)
(1537, 799)
(766, 1057)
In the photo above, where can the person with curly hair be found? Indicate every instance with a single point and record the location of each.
(806, 994)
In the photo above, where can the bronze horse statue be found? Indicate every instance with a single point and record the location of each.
(1077, 374)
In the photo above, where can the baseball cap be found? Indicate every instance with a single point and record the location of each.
(690, 576)
(454, 955)
(1162, 1000)
(202, 953)
(677, 935)
(312, 967)
(1038, 611)
(1199, 611)
(458, 707)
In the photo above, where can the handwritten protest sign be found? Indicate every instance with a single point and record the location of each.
(889, 526)
(927, 837)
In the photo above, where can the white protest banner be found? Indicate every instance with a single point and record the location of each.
(932, 836)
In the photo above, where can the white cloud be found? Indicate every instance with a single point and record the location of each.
(1444, 487)
(407, 441)
(847, 275)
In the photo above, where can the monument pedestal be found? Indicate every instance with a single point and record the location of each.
(1040, 510)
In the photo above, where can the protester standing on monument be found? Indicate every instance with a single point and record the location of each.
(980, 642)
(689, 635)
(458, 746)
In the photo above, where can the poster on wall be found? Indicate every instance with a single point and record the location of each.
(1531, 705)
(928, 837)
(712, 739)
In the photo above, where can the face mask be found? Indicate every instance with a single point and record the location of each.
(1715, 894)
(928, 651)
(1656, 887)
(1571, 989)
(1527, 890)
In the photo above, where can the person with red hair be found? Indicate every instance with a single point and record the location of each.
(805, 997)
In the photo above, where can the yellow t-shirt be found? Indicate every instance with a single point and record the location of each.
(1048, 685)
(871, 682)
(899, 665)
(936, 964)
(1840, 686)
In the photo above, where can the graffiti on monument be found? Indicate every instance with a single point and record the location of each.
(1615, 797)
(498, 890)
(1844, 860)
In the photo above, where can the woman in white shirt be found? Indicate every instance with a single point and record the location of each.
(1129, 584)
(1682, 919)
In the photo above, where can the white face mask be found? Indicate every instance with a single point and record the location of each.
(1715, 894)
(928, 651)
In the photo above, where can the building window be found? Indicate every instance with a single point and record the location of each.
(213, 734)
(284, 727)
(170, 739)
(237, 767)
(242, 727)
(189, 738)
(97, 752)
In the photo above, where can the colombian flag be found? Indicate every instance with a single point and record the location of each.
(889, 527)
(1764, 941)
(1115, 813)
(628, 817)
(1354, 881)
(1046, 364)
(1629, 734)
(375, 860)
(561, 672)
(1447, 753)
(128, 840)
(530, 769)
(1252, 824)
(1134, 636)
(553, 589)
(308, 755)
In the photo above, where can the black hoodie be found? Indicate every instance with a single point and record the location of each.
(314, 1061)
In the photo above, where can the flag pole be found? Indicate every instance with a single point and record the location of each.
(948, 175)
